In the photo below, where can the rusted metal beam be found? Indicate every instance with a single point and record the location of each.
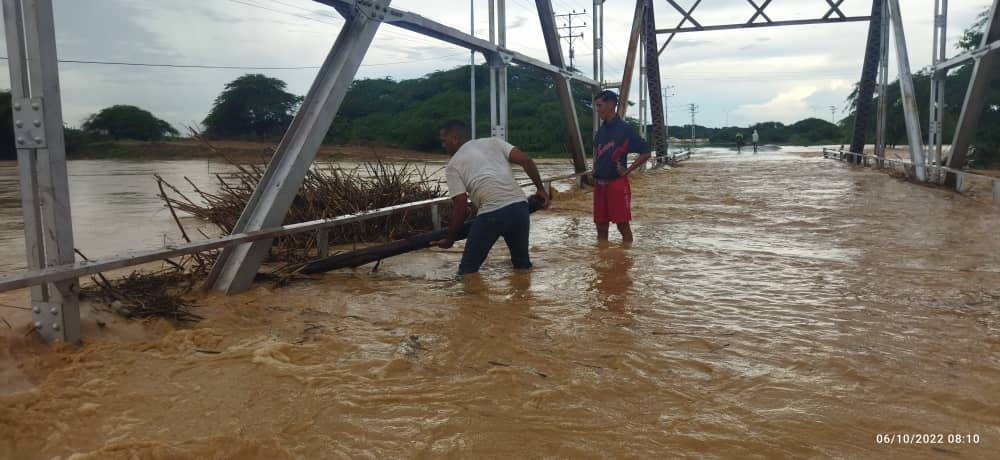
(659, 139)
(869, 73)
(633, 46)
(574, 138)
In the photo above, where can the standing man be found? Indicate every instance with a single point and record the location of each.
(755, 138)
(612, 144)
(480, 169)
(739, 143)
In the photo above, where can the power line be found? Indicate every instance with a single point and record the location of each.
(310, 18)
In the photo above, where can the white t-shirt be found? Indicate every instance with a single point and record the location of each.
(481, 168)
(755, 137)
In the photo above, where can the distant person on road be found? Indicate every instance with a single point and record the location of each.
(480, 170)
(755, 138)
(739, 143)
(614, 140)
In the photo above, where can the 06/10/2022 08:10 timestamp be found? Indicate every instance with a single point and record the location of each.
(927, 438)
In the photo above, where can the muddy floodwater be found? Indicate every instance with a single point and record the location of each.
(776, 305)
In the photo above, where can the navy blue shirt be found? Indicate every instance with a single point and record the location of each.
(614, 140)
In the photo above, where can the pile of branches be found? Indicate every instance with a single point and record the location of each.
(328, 191)
(145, 294)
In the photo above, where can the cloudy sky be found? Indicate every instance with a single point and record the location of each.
(739, 77)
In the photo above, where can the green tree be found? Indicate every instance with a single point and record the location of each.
(252, 106)
(127, 122)
(408, 113)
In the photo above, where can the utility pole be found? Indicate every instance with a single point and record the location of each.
(833, 114)
(694, 110)
(570, 37)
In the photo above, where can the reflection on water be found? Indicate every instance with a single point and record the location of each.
(612, 279)
(772, 306)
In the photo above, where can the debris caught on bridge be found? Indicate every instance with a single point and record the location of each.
(150, 294)
(328, 191)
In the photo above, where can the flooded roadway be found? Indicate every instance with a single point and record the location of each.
(776, 305)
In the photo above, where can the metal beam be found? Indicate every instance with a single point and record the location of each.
(680, 24)
(798, 22)
(760, 11)
(975, 97)
(563, 88)
(687, 15)
(967, 56)
(910, 110)
(659, 140)
(633, 46)
(834, 8)
(936, 108)
(421, 25)
(38, 132)
(869, 74)
(883, 87)
(235, 268)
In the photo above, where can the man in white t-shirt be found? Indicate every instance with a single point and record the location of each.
(480, 170)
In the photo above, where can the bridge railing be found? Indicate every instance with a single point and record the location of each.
(934, 171)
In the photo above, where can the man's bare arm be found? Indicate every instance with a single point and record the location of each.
(521, 159)
(458, 212)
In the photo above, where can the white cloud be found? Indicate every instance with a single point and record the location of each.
(788, 106)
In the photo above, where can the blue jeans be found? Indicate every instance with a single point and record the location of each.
(512, 222)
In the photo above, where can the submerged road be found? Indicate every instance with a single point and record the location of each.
(773, 305)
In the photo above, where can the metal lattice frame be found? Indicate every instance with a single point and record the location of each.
(236, 267)
(759, 18)
(754, 21)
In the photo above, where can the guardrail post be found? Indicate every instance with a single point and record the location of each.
(548, 189)
(961, 185)
(996, 192)
(323, 242)
(436, 216)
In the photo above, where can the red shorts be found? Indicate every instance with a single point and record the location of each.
(612, 201)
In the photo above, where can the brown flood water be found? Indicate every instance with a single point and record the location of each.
(774, 305)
